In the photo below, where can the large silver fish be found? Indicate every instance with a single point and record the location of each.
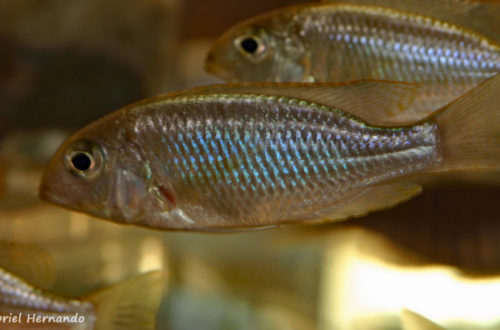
(447, 53)
(254, 155)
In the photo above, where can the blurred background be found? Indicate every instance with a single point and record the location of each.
(64, 64)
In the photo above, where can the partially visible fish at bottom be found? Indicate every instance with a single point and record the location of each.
(132, 304)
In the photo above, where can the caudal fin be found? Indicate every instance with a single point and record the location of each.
(130, 305)
(470, 128)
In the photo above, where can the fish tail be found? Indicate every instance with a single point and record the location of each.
(470, 128)
(130, 305)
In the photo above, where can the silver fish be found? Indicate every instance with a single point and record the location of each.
(331, 42)
(254, 155)
(132, 304)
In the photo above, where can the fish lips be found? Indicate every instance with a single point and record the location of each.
(47, 191)
(212, 67)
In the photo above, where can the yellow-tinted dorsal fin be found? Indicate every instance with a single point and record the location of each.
(374, 101)
(377, 198)
(413, 321)
(33, 264)
(478, 15)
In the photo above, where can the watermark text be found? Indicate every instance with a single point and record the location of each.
(34, 318)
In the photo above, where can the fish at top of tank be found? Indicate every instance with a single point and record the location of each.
(446, 46)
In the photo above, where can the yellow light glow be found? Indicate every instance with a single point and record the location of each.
(78, 225)
(112, 255)
(152, 255)
(358, 286)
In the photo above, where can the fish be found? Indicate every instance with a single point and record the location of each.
(448, 53)
(252, 155)
(131, 304)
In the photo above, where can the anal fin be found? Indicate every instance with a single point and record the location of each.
(377, 198)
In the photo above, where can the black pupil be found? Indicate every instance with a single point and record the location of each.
(81, 161)
(249, 45)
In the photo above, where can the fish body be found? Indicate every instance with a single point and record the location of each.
(283, 161)
(247, 156)
(332, 42)
(24, 306)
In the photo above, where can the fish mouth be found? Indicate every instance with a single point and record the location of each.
(212, 67)
(48, 195)
(45, 194)
(209, 63)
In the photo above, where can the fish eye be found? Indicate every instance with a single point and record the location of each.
(84, 159)
(81, 161)
(251, 46)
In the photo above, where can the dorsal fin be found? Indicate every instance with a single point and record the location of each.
(479, 15)
(413, 321)
(29, 262)
(374, 101)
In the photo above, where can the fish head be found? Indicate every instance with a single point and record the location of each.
(258, 50)
(75, 176)
(101, 171)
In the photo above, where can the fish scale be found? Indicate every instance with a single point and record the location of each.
(412, 40)
(16, 294)
(260, 159)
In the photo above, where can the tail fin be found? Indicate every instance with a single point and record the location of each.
(470, 128)
(131, 304)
